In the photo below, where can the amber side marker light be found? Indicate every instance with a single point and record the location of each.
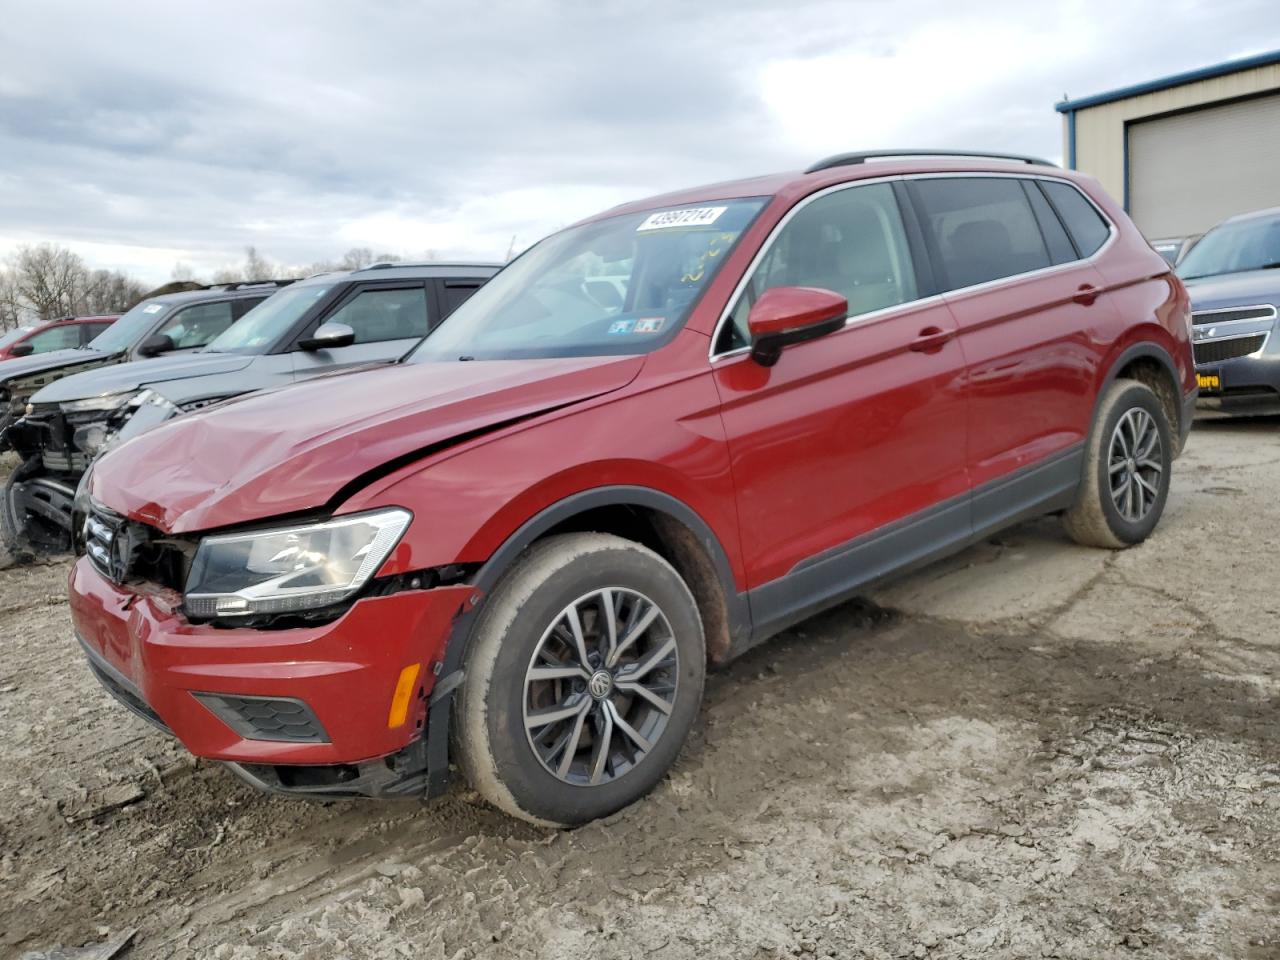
(404, 693)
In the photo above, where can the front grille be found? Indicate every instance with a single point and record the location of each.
(124, 550)
(266, 718)
(1215, 351)
(102, 542)
(1230, 316)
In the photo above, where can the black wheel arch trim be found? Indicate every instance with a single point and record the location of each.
(1147, 349)
(439, 710)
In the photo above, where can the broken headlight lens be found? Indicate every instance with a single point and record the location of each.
(290, 569)
(111, 401)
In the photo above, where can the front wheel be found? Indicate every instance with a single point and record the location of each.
(1128, 462)
(582, 681)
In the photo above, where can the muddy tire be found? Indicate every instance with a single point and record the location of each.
(583, 679)
(1128, 462)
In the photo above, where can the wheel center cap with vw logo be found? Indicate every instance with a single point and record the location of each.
(600, 685)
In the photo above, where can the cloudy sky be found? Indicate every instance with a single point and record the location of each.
(144, 134)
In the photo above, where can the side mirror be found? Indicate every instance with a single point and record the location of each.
(21, 350)
(328, 336)
(156, 344)
(787, 315)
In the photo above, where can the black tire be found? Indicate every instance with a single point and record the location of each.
(1096, 519)
(523, 619)
(13, 548)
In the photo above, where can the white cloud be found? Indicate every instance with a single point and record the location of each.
(141, 133)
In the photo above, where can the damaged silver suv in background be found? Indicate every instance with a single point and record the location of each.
(323, 324)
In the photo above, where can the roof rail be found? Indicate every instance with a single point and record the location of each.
(424, 263)
(862, 156)
(241, 284)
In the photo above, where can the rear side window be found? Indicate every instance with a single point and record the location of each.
(240, 307)
(1061, 249)
(981, 228)
(457, 292)
(90, 330)
(1086, 226)
(851, 242)
(377, 315)
(196, 325)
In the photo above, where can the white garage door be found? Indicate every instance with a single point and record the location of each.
(1189, 171)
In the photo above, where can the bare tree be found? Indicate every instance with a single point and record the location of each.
(49, 279)
(10, 302)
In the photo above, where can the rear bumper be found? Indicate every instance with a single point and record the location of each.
(279, 705)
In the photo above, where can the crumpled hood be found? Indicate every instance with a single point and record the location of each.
(20, 368)
(293, 449)
(139, 374)
(1229, 290)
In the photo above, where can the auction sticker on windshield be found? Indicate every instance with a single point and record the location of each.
(695, 217)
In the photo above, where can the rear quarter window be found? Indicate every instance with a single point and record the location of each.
(1082, 220)
(979, 228)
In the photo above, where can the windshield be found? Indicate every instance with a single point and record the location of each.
(259, 330)
(129, 329)
(615, 286)
(1252, 244)
(17, 333)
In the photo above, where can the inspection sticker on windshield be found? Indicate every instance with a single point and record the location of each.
(621, 326)
(153, 308)
(649, 325)
(689, 217)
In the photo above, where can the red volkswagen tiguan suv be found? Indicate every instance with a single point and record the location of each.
(655, 439)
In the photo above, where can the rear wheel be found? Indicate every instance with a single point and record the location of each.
(1127, 469)
(583, 679)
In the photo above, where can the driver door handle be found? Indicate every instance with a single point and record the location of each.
(1085, 294)
(931, 339)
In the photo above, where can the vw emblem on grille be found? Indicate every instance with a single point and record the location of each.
(600, 685)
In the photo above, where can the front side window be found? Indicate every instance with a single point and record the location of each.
(196, 325)
(262, 328)
(851, 242)
(1234, 247)
(623, 285)
(55, 338)
(377, 315)
(982, 228)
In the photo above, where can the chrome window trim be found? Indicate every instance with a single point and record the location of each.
(1113, 234)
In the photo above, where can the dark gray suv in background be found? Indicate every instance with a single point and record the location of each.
(173, 322)
(1233, 276)
(326, 323)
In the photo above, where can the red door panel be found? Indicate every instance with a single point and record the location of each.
(844, 434)
(1033, 345)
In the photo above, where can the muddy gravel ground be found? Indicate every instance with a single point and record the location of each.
(1032, 750)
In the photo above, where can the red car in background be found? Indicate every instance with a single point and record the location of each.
(657, 438)
(61, 334)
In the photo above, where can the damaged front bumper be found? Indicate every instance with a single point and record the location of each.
(303, 711)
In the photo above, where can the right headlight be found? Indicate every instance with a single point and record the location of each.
(291, 569)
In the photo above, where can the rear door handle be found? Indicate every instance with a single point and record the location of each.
(931, 339)
(1085, 294)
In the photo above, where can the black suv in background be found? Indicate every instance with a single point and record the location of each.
(172, 322)
(326, 323)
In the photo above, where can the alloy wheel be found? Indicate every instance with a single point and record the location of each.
(1134, 464)
(600, 686)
